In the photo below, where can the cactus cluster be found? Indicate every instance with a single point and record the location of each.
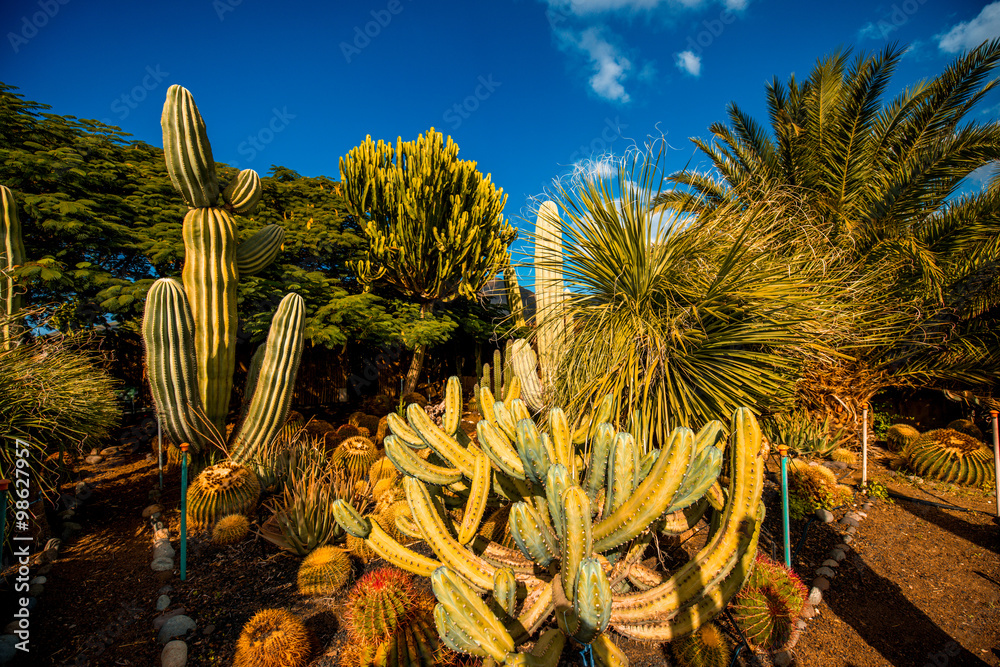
(580, 505)
(189, 326)
(230, 529)
(221, 490)
(273, 638)
(389, 623)
(951, 456)
(324, 571)
(766, 608)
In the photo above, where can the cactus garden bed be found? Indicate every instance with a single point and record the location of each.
(919, 585)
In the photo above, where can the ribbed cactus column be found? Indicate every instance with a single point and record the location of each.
(12, 247)
(190, 332)
(548, 288)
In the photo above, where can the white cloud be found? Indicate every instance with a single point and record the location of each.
(586, 7)
(872, 31)
(736, 5)
(970, 34)
(609, 65)
(689, 62)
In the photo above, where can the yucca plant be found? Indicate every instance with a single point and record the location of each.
(681, 320)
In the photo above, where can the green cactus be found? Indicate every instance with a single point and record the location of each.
(812, 487)
(273, 638)
(766, 608)
(806, 436)
(514, 303)
(356, 454)
(324, 571)
(230, 529)
(579, 525)
(951, 456)
(705, 648)
(220, 490)
(968, 427)
(11, 256)
(303, 512)
(380, 601)
(190, 330)
(900, 436)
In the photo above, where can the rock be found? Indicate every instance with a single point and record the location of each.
(48, 556)
(162, 565)
(93, 460)
(783, 659)
(854, 515)
(12, 627)
(800, 624)
(815, 596)
(72, 527)
(108, 451)
(66, 515)
(843, 547)
(151, 510)
(826, 516)
(174, 654)
(45, 569)
(808, 611)
(32, 603)
(93, 452)
(163, 551)
(166, 616)
(162, 602)
(835, 465)
(166, 589)
(176, 626)
(826, 572)
(867, 507)
(7, 650)
(38, 580)
(208, 629)
(84, 491)
(36, 589)
(831, 563)
(851, 530)
(848, 538)
(822, 583)
(849, 521)
(161, 534)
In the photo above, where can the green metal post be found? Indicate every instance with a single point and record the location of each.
(4, 483)
(159, 449)
(184, 484)
(783, 451)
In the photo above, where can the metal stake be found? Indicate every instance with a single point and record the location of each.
(184, 483)
(864, 448)
(159, 450)
(783, 451)
(996, 456)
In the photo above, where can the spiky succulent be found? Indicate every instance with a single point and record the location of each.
(356, 454)
(220, 490)
(273, 638)
(230, 529)
(968, 427)
(189, 326)
(804, 434)
(844, 456)
(580, 524)
(812, 486)
(900, 436)
(324, 571)
(766, 608)
(951, 456)
(707, 647)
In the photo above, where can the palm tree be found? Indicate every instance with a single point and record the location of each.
(880, 183)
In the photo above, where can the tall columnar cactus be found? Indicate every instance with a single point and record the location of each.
(190, 328)
(582, 506)
(12, 249)
(548, 288)
(514, 302)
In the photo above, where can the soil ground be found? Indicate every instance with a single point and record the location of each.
(920, 586)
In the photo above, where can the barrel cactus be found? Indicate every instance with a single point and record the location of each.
(582, 504)
(273, 638)
(968, 427)
(189, 325)
(324, 571)
(812, 486)
(900, 436)
(951, 456)
(230, 529)
(356, 455)
(705, 648)
(221, 490)
(766, 608)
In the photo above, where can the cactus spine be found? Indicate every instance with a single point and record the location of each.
(191, 336)
(325, 570)
(220, 490)
(230, 529)
(273, 638)
(12, 247)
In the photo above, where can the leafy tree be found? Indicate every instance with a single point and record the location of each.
(435, 225)
(877, 183)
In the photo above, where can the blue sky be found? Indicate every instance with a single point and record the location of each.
(528, 88)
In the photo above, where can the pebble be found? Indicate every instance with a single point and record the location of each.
(71, 526)
(12, 627)
(166, 616)
(162, 602)
(826, 572)
(38, 580)
(151, 510)
(822, 583)
(161, 534)
(851, 530)
(826, 516)
(808, 611)
(815, 596)
(36, 589)
(831, 563)
(93, 459)
(848, 538)
(866, 507)
(782, 659)
(162, 565)
(7, 650)
(176, 626)
(108, 451)
(208, 629)
(166, 589)
(849, 521)
(835, 465)
(174, 654)
(842, 547)
(800, 624)
(45, 569)
(163, 551)
(93, 452)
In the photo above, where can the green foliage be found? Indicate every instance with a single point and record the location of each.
(875, 489)
(805, 435)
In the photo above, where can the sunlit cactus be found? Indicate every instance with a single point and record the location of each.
(273, 638)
